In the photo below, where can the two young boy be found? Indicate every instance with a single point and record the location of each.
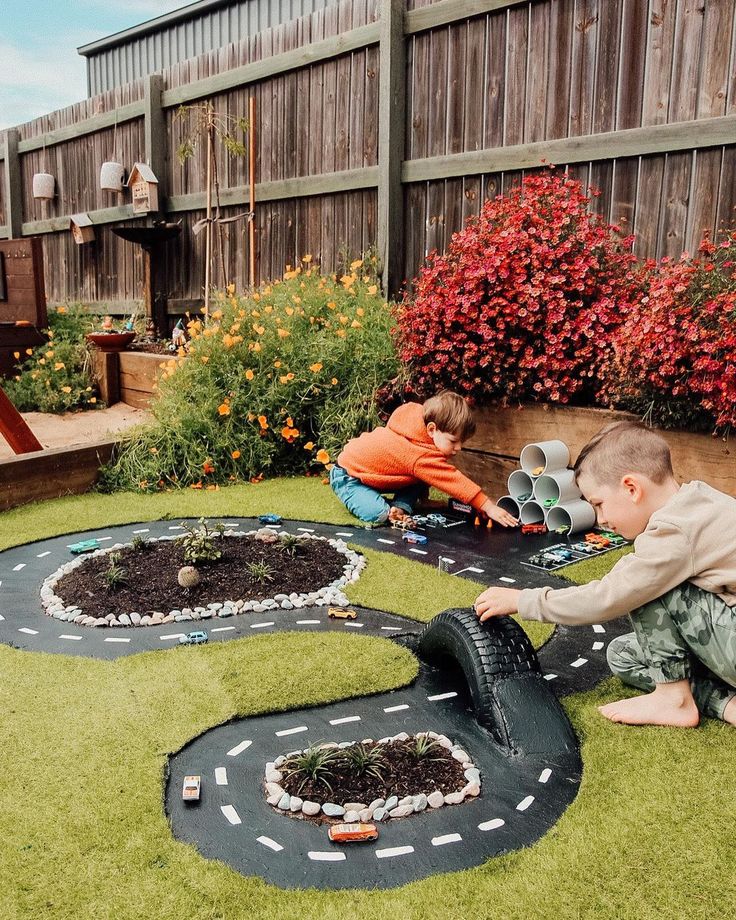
(678, 586)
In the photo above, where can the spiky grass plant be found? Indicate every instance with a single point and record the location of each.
(317, 763)
(365, 760)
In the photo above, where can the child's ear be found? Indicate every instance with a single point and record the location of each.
(431, 428)
(632, 485)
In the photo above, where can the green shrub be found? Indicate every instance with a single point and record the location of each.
(275, 382)
(199, 542)
(56, 377)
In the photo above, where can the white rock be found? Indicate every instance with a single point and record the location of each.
(402, 736)
(274, 776)
(354, 806)
(274, 789)
(135, 618)
(287, 605)
(472, 775)
(377, 803)
(365, 815)
(124, 619)
(274, 799)
(407, 800)
(146, 620)
(472, 789)
(380, 814)
(284, 802)
(351, 817)
(454, 798)
(311, 808)
(445, 742)
(295, 803)
(401, 811)
(419, 802)
(460, 755)
(281, 597)
(391, 802)
(332, 810)
(436, 799)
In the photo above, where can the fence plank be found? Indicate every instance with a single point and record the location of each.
(634, 31)
(558, 96)
(675, 196)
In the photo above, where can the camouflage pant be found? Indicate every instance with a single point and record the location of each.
(686, 633)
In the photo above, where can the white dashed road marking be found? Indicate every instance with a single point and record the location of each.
(396, 708)
(491, 825)
(261, 625)
(292, 731)
(578, 663)
(1, 616)
(307, 622)
(27, 631)
(391, 628)
(271, 844)
(232, 816)
(384, 540)
(419, 552)
(103, 539)
(74, 638)
(509, 581)
(446, 838)
(550, 676)
(117, 639)
(345, 720)
(343, 533)
(17, 568)
(41, 555)
(221, 776)
(355, 625)
(171, 636)
(239, 748)
(143, 530)
(175, 527)
(223, 628)
(306, 529)
(597, 646)
(545, 775)
(598, 628)
(390, 852)
(441, 696)
(525, 803)
(326, 857)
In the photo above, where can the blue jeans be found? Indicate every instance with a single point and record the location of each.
(367, 503)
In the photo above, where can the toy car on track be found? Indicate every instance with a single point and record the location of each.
(352, 833)
(198, 637)
(438, 520)
(588, 548)
(542, 561)
(597, 539)
(192, 788)
(341, 613)
(409, 536)
(534, 528)
(84, 546)
(270, 518)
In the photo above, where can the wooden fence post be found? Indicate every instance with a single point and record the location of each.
(13, 190)
(155, 133)
(391, 129)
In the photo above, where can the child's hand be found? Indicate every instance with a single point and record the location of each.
(498, 514)
(496, 602)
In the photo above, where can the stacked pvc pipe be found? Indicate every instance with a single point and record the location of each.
(544, 475)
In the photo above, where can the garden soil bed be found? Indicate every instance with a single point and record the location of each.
(151, 576)
(403, 775)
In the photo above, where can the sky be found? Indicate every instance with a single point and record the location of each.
(40, 70)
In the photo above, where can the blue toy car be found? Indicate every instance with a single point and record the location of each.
(411, 537)
(84, 546)
(270, 518)
(197, 637)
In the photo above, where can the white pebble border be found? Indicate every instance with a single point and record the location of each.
(332, 594)
(379, 809)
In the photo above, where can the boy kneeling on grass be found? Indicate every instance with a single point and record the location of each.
(406, 457)
(679, 584)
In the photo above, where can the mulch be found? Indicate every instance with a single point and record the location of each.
(402, 775)
(151, 576)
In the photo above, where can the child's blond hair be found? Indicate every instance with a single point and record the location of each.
(625, 447)
(450, 413)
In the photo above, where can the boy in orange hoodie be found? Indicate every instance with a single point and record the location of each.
(406, 457)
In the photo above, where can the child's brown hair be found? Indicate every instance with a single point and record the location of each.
(450, 413)
(625, 447)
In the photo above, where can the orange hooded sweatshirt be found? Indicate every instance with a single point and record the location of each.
(402, 454)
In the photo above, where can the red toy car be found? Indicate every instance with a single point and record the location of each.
(352, 833)
(533, 528)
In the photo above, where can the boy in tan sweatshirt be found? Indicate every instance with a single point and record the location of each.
(679, 584)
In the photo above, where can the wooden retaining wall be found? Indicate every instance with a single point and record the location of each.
(501, 434)
(389, 122)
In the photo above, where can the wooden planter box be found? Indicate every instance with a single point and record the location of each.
(127, 376)
(494, 450)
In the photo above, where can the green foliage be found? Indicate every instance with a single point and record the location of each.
(139, 544)
(275, 382)
(56, 376)
(261, 571)
(199, 542)
(114, 575)
(289, 544)
(423, 748)
(364, 760)
(316, 763)
(199, 119)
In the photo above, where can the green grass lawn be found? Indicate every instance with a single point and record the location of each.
(83, 834)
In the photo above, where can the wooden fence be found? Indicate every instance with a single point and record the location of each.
(387, 123)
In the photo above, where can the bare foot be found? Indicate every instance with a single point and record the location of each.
(396, 514)
(729, 713)
(669, 704)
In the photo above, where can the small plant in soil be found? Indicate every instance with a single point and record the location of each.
(316, 764)
(199, 542)
(139, 544)
(364, 760)
(260, 571)
(425, 748)
(289, 544)
(114, 575)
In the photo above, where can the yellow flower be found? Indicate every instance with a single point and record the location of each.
(323, 456)
(216, 315)
(49, 354)
(42, 360)
(153, 450)
(249, 375)
(16, 354)
(284, 333)
(334, 381)
(66, 389)
(61, 309)
(331, 304)
(231, 288)
(315, 368)
(227, 340)
(285, 378)
(309, 445)
(343, 319)
(356, 264)
(340, 333)
(355, 324)
(235, 454)
(306, 259)
(93, 399)
(277, 364)
(268, 308)
(289, 311)
(262, 422)
(256, 297)
(255, 346)
(224, 409)
(29, 351)
(289, 433)
(259, 330)
(204, 359)
(59, 366)
(372, 289)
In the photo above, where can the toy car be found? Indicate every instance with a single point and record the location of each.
(194, 638)
(549, 502)
(404, 523)
(341, 613)
(352, 833)
(562, 552)
(84, 546)
(588, 548)
(533, 528)
(558, 557)
(270, 518)
(597, 539)
(524, 497)
(542, 561)
(437, 519)
(614, 538)
(410, 537)
(563, 529)
(191, 789)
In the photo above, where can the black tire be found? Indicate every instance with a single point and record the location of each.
(509, 696)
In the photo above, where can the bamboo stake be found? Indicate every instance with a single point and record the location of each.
(208, 246)
(252, 171)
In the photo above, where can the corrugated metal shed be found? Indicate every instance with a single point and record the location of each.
(182, 34)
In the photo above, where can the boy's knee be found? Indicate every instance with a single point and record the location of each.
(622, 653)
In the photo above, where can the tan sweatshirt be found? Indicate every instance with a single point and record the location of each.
(691, 538)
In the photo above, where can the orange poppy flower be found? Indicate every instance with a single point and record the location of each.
(323, 456)
(208, 467)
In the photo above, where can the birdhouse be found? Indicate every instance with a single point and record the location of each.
(144, 186)
(82, 228)
(112, 176)
(44, 187)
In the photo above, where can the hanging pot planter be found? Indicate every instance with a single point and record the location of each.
(112, 176)
(44, 187)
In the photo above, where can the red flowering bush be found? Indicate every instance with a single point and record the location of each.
(675, 354)
(523, 303)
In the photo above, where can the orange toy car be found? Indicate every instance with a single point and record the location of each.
(352, 833)
(597, 540)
